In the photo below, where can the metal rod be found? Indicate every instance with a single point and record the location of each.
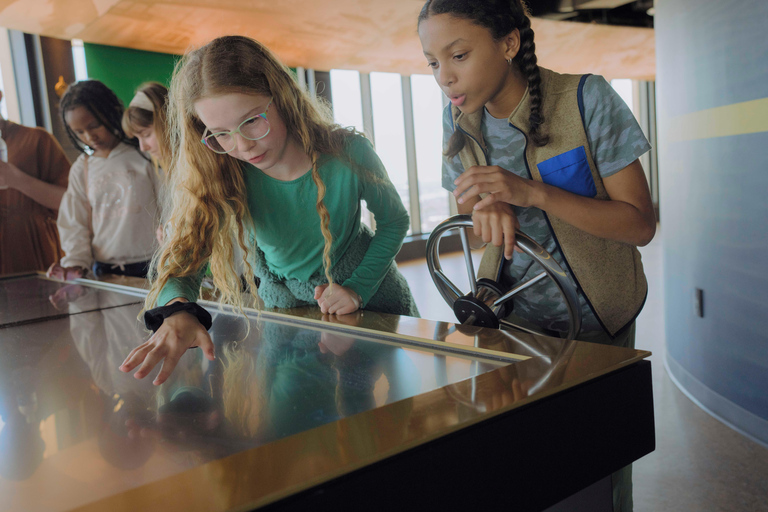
(520, 287)
(468, 260)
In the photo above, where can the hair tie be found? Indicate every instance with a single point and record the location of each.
(141, 100)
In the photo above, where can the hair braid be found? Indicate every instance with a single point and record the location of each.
(325, 221)
(526, 59)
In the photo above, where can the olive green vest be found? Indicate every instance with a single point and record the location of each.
(609, 273)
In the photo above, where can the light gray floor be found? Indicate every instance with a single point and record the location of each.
(700, 464)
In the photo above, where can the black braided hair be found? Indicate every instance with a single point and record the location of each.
(500, 17)
(102, 103)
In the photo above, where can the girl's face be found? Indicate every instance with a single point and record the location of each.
(469, 65)
(148, 141)
(90, 130)
(225, 113)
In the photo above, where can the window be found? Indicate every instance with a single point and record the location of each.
(78, 55)
(409, 143)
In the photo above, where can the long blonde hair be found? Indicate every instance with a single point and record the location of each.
(207, 190)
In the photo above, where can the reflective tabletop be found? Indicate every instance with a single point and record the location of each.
(291, 398)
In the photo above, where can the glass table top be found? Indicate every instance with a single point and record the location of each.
(29, 299)
(294, 392)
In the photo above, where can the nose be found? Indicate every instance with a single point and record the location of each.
(242, 144)
(143, 145)
(445, 76)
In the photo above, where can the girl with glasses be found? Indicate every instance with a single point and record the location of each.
(254, 156)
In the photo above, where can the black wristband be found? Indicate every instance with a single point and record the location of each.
(154, 318)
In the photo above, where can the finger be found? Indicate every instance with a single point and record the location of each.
(169, 363)
(497, 232)
(509, 236)
(487, 201)
(322, 303)
(346, 309)
(477, 226)
(319, 290)
(153, 357)
(205, 343)
(474, 191)
(336, 307)
(136, 356)
(487, 234)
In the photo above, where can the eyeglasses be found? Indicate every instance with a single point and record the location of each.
(253, 128)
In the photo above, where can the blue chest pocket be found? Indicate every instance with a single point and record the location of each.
(569, 171)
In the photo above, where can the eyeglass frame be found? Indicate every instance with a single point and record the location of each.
(232, 133)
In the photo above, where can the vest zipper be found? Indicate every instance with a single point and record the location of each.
(557, 242)
(481, 146)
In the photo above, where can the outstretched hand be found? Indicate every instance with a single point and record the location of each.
(337, 299)
(178, 333)
(500, 184)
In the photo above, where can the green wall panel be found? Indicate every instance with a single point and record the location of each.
(124, 69)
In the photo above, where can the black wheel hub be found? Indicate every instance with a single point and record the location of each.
(472, 311)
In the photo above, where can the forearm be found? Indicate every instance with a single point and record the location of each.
(46, 194)
(611, 219)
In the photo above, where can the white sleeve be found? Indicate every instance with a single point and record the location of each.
(74, 220)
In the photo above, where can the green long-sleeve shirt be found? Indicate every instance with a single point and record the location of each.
(287, 225)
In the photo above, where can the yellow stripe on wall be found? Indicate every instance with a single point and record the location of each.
(735, 119)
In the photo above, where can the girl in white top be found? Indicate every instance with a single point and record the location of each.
(109, 214)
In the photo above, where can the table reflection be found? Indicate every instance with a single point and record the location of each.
(66, 408)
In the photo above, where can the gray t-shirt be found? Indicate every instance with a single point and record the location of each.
(615, 140)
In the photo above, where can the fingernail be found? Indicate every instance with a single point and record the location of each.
(461, 200)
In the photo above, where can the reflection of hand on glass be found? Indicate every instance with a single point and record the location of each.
(335, 344)
(66, 294)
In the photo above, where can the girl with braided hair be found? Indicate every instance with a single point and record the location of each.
(254, 156)
(553, 155)
(109, 212)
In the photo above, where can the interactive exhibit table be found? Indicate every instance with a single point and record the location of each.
(298, 411)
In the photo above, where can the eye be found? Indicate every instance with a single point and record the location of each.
(221, 136)
(251, 121)
(460, 56)
(432, 65)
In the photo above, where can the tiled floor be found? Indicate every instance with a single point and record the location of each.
(700, 465)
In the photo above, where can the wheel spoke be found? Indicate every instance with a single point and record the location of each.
(518, 288)
(468, 260)
(448, 283)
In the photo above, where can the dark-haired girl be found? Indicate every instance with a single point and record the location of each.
(109, 213)
(553, 155)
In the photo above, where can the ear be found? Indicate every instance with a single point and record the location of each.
(512, 44)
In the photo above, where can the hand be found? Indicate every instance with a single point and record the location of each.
(500, 184)
(336, 299)
(56, 271)
(178, 333)
(497, 224)
(8, 175)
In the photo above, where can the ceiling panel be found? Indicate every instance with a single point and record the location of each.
(343, 34)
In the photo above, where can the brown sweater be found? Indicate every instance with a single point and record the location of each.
(29, 240)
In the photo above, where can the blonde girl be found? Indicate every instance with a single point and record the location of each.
(145, 119)
(255, 156)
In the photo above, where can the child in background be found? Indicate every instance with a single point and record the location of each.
(258, 158)
(109, 212)
(32, 183)
(555, 155)
(145, 119)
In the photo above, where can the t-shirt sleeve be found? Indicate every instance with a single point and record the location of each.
(391, 221)
(452, 167)
(615, 137)
(187, 287)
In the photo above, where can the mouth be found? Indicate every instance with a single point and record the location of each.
(257, 159)
(457, 99)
